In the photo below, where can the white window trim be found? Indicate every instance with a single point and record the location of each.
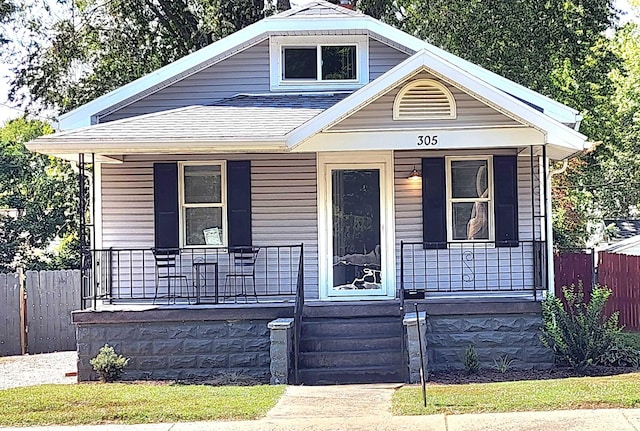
(277, 43)
(223, 202)
(489, 199)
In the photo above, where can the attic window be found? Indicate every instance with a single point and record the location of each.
(325, 62)
(424, 99)
(335, 63)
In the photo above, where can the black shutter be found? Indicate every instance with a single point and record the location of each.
(165, 204)
(505, 178)
(434, 218)
(239, 202)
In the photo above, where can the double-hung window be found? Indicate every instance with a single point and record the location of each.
(202, 204)
(470, 199)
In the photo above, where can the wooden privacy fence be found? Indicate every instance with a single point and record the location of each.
(572, 267)
(35, 311)
(621, 274)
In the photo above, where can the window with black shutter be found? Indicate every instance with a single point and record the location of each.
(202, 204)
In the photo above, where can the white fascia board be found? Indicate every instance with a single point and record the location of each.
(172, 146)
(424, 60)
(553, 108)
(81, 116)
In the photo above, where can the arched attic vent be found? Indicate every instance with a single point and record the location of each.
(424, 99)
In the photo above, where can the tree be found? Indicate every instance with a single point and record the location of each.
(7, 9)
(39, 198)
(99, 46)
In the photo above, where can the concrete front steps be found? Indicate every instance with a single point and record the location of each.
(351, 343)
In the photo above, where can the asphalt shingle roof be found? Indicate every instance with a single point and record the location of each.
(243, 117)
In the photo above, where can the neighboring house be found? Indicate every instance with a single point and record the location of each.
(327, 169)
(623, 237)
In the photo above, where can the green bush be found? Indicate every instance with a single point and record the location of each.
(471, 361)
(108, 364)
(580, 333)
(620, 355)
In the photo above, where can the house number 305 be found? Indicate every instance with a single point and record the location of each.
(427, 140)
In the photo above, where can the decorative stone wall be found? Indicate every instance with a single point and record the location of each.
(494, 329)
(179, 344)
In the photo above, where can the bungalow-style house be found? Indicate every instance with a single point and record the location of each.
(279, 204)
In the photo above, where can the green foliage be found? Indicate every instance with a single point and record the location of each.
(502, 364)
(39, 198)
(620, 354)
(580, 333)
(99, 46)
(108, 364)
(470, 360)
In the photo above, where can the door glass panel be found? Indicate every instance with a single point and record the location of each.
(356, 229)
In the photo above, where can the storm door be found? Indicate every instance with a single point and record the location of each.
(357, 245)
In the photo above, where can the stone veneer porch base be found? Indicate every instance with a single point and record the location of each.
(181, 343)
(187, 343)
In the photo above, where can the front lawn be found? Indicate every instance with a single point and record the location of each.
(133, 403)
(620, 391)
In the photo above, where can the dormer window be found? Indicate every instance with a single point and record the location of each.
(319, 63)
(339, 62)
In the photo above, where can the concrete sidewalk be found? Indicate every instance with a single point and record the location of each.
(366, 407)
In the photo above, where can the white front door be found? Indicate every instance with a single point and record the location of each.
(356, 242)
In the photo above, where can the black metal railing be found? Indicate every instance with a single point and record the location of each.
(193, 275)
(471, 267)
(297, 320)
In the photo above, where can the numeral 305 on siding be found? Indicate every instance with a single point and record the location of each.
(427, 140)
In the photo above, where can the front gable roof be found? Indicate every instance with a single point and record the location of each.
(318, 16)
(563, 140)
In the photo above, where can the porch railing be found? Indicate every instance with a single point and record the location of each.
(472, 267)
(192, 275)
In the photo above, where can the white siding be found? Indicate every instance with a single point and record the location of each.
(245, 72)
(379, 114)
(383, 58)
(283, 193)
(284, 212)
(458, 268)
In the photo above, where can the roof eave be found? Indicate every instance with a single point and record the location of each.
(82, 115)
(157, 146)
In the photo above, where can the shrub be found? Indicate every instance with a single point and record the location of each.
(108, 364)
(470, 360)
(502, 364)
(620, 355)
(580, 333)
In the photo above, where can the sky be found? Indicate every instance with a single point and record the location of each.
(8, 112)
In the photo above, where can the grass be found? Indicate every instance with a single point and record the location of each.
(133, 403)
(621, 391)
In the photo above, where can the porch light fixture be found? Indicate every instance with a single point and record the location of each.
(414, 175)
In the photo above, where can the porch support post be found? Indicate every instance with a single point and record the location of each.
(548, 223)
(410, 321)
(280, 350)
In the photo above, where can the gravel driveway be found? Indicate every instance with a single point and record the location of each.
(39, 369)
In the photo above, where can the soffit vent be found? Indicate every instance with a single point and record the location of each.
(424, 99)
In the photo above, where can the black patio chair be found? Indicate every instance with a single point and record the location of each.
(168, 268)
(242, 270)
